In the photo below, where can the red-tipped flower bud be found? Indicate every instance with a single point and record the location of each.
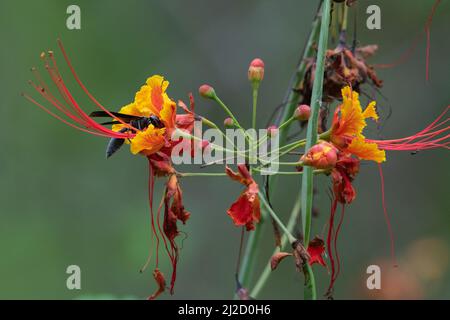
(206, 91)
(228, 123)
(321, 156)
(256, 71)
(272, 131)
(302, 112)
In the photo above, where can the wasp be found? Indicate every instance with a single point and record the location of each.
(137, 122)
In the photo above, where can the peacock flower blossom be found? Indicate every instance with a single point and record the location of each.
(153, 143)
(348, 124)
(245, 211)
(346, 134)
(151, 100)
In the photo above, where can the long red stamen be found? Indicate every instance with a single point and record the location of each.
(61, 119)
(336, 252)
(435, 135)
(56, 103)
(151, 188)
(83, 87)
(160, 228)
(329, 245)
(427, 31)
(408, 53)
(70, 109)
(386, 217)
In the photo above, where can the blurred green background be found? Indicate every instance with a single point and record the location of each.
(62, 203)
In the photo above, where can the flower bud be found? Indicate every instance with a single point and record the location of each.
(302, 112)
(321, 156)
(228, 123)
(256, 71)
(272, 131)
(206, 91)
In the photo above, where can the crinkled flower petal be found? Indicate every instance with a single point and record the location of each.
(245, 211)
(316, 249)
(152, 96)
(148, 141)
(366, 151)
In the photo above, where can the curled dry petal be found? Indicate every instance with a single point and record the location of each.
(160, 281)
(277, 258)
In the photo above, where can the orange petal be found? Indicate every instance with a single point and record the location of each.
(370, 111)
(148, 141)
(366, 151)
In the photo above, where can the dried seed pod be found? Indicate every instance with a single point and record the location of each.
(301, 256)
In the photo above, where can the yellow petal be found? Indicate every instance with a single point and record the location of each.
(156, 81)
(148, 141)
(366, 151)
(370, 111)
(152, 97)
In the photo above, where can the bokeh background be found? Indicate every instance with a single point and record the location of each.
(62, 203)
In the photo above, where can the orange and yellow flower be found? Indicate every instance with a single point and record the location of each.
(151, 99)
(348, 124)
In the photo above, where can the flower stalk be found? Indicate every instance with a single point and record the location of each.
(311, 139)
(292, 98)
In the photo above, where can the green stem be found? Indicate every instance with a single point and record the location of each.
(310, 283)
(255, 102)
(267, 270)
(286, 231)
(187, 135)
(211, 124)
(311, 139)
(227, 111)
(250, 254)
(344, 18)
(292, 98)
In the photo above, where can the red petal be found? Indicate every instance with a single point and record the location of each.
(242, 212)
(315, 250)
(161, 281)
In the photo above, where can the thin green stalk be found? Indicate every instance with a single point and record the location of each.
(187, 135)
(267, 270)
(311, 139)
(344, 18)
(286, 231)
(311, 133)
(211, 124)
(227, 111)
(287, 123)
(250, 252)
(310, 283)
(292, 98)
(255, 102)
